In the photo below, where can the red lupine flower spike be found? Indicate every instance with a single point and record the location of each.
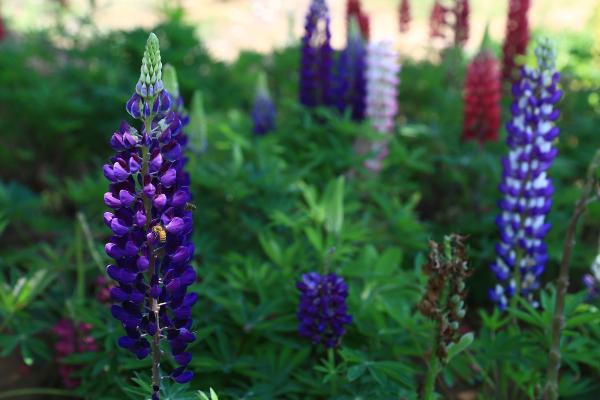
(482, 99)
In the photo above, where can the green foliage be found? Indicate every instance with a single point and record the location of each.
(269, 209)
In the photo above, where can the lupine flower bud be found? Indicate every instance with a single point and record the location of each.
(443, 301)
(316, 64)
(354, 11)
(517, 37)
(437, 20)
(71, 339)
(592, 281)
(198, 131)
(382, 93)
(322, 312)
(526, 188)
(404, 15)
(482, 99)
(350, 79)
(263, 111)
(151, 224)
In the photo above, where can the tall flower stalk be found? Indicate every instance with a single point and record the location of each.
(382, 104)
(526, 187)
(151, 226)
(562, 283)
(443, 302)
(516, 37)
(316, 64)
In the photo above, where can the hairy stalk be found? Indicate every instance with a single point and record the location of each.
(432, 373)
(562, 283)
(155, 342)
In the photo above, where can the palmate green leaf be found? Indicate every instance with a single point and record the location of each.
(212, 393)
(464, 342)
(356, 372)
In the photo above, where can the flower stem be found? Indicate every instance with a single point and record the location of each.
(562, 283)
(432, 373)
(155, 342)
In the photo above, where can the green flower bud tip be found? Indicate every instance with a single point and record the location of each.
(353, 28)
(546, 54)
(454, 326)
(170, 80)
(150, 82)
(461, 313)
(197, 128)
(262, 87)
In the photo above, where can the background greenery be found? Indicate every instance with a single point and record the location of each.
(262, 220)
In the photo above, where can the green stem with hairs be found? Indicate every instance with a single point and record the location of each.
(154, 306)
(562, 283)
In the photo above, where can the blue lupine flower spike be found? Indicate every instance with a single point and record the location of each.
(151, 225)
(526, 187)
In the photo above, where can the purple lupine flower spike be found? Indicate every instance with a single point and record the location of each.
(350, 79)
(322, 312)
(152, 225)
(526, 187)
(263, 110)
(317, 58)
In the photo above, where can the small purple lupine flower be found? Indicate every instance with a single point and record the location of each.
(263, 110)
(322, 312)
(526, 187)
(592, 281)
(350, 78)
(316, 64)
(151, 225)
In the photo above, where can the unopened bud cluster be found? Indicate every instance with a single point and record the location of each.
(444, 298)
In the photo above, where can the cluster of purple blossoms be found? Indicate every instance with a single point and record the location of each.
(350, 80)
(151, 225)
(316, 64)
(526, 187)
(322, 311)
(263, 110)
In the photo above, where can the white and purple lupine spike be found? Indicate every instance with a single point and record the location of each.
(350, 79)
(263, 110)
(316, 64)
(322, 312)
(526, 187)
(151, 226)
(382, 104)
